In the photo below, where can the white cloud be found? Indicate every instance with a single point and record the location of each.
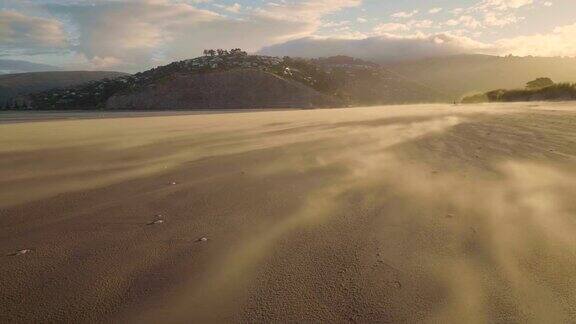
(560, 42)
(503, 5)
(132, 35)
(464, 21)
(383, 48)
(489, 14)
(404, 14)
(304, 11)
(492, 19)
(390, 27)
(386, 28)
(421, 24)
(135, 34)
(235, 8)
(20, 33)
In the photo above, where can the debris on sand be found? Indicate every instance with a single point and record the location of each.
(20, 252)
(398, 284)
(158, 221)
(449, 215)
(173, 183)
(203, 239)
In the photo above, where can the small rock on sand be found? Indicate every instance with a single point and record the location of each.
(203, 239)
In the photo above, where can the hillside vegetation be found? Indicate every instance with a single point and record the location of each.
(338, 80)
(96, 94)
(234, 79)
(14, 88)
(460, 75)
(366, 83)
(538, 90)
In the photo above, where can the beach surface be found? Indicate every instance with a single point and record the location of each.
(426, 213)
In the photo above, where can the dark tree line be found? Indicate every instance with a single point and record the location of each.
(15, 104)
(222, 52)
(540, 89)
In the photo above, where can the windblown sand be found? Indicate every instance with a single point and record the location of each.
(441, 214)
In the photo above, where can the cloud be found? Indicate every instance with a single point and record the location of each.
(235, 8)
(560, 42)
(384, 48)
(502, 5)
(22, 34)
(386, 28)
(391, 27)
(303, 11)
(404, 14)
(464, 21)
(490, 13)
(130, 35)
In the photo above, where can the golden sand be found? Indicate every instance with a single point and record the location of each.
(386, 214)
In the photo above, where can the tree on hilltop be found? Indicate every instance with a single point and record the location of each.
(540, 83)
(223, 52)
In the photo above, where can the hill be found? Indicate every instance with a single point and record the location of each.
(366, 83)
(460, 75)
(15, 86)
(234, 89)
(233, 79)
(555, 92)
(224, 80)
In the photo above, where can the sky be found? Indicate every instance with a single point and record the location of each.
(133, 35)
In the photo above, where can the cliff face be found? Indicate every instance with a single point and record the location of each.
(238, 89)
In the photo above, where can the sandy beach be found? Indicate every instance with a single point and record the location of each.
(425, 213)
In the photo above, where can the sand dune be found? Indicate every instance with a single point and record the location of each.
(434, 213)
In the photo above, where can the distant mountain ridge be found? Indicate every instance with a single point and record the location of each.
(235, 79)
(461, 75)
(201, 83)
(14, 87)
(19, 66)
(362, 82)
